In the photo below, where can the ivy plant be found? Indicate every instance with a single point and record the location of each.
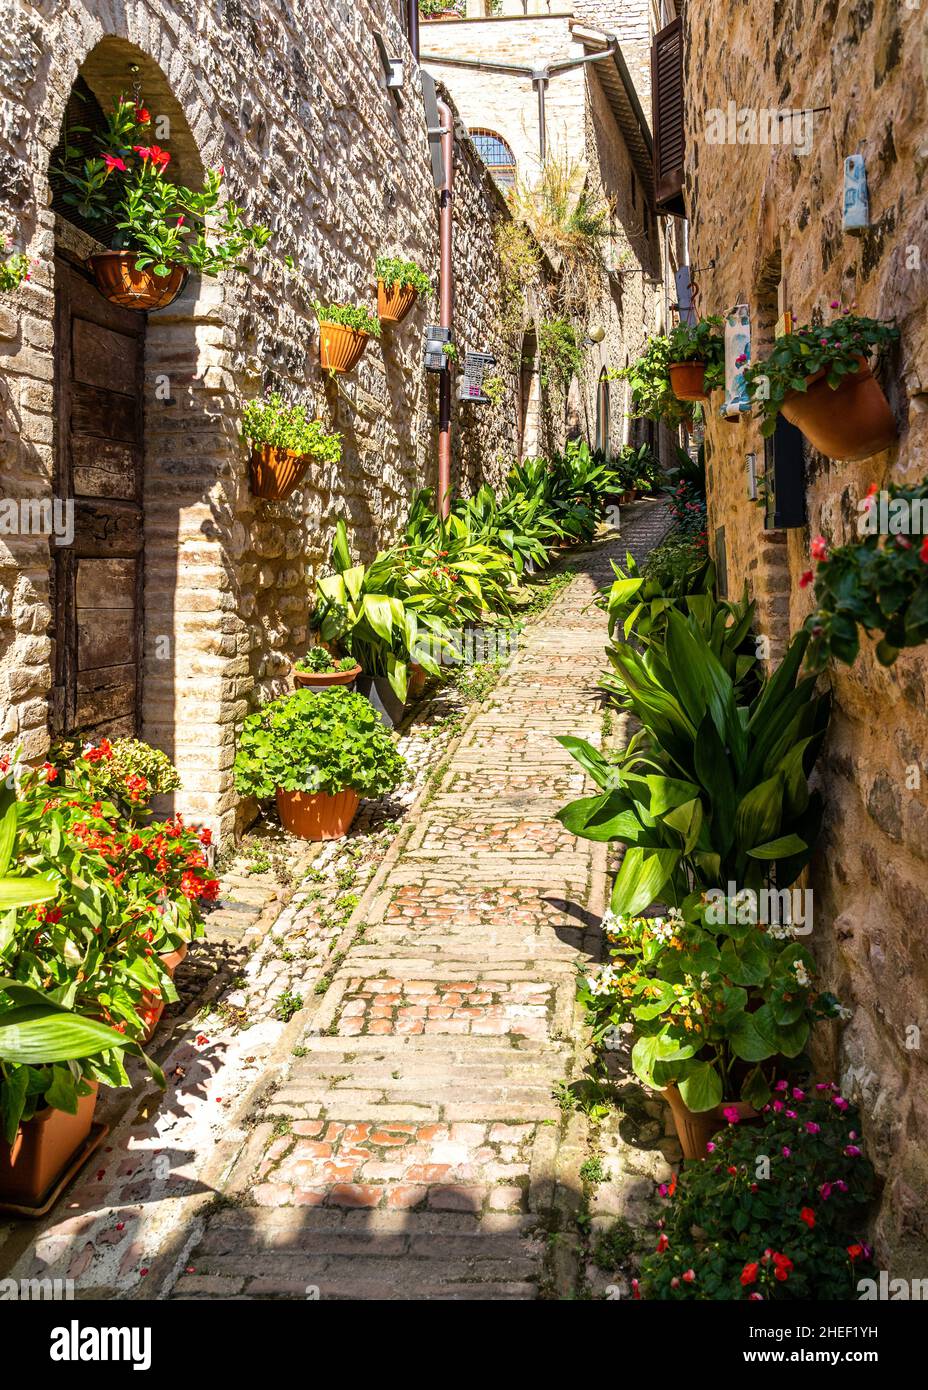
(559, 352)
(317, 741)
(834, 349)
(272, 420)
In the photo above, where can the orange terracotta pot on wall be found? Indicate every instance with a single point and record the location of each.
(395, 302)
(340, 347)
(42, 1150)
(688, 381)
(317, 815)
(276, 472)
(120, 280)
(851, 422)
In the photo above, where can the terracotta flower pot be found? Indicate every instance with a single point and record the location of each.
(688, 380)
(394, 304)
(438, 18)
(121, 282)
(276, 472)
(317, 815)
(340, 347)
(42, 1150)
(696, 1127)
(853, 421)
(151, 1006)
(417, 678)
(321, 680)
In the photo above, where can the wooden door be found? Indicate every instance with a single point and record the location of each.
(98, 580)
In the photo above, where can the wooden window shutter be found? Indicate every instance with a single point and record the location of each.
(667, 118)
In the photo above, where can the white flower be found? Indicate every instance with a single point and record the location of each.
(781, 930)
(604, 982)
(802, 975)
(843, 1012)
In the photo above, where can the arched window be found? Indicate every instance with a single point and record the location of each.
(496, 155)
(602, 413)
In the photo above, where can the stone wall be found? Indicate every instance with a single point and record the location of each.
(769, 215)
(291, 100)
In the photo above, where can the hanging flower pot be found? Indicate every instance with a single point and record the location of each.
(120, 280)
(852, 421)
(695, 1128)
(43, 1151)
(688, 381)
(394, 302)
(340, 347)
(276, 472)
(317, 815)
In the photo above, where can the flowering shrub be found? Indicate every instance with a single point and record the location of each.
(775, 1210)
(351, 315)
(834, 349)
(712, 1002)
(393, 270)
(131, 775)
(167, 224)
(878, 583)
(272, 420)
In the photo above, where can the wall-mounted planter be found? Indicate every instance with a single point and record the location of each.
(851, 422)
(119, 279)
(340, 347)
(317, 815)
(687, 380)
(394, 302)
(276, 472)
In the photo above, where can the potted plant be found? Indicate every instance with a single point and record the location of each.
(317, 752)
(794, 1234)
(436, 11)
(819, 378)
(129, 773)
(398, 284)
(162, 230)
(343, 333)
(653, 396)
(284, 439)
(697, 359)
(877, 583)
(319, 669)
(74, 962)
(721, 1005)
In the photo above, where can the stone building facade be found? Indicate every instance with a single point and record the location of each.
(205, 616)
(596, 121)
(770, 216)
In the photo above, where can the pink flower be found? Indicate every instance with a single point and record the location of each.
(840, 1102)
(787, 1153)
(689, 1276)
(731, 1114)
(835, 304)
(675, 1282)
(812, 1127)
(781, 1086)
(825, 1191)
(791, 1115)
(112, 161)
(798, 1094)
(756, 1297)
(852, 1151)
(662, 1243)
(778, 1106)
(710, 1147)
(819, 548)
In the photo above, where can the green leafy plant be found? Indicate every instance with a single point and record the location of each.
(700, 342)
(393, 270)
(709, 791)
(559, 352)
(130, 776)
(126, 186)
(13, 271)
(877, 584)
(494, 388)
(719, 1003)
(319, 659)
(834, 350)
(652, 393)
(316, 741)
(791, 1230)
(350, 315)
(573, 223)
(286, 425)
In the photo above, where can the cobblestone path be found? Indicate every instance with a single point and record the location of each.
(412, 1147)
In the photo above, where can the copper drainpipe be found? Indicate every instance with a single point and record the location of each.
(412, 26)
(445, 304)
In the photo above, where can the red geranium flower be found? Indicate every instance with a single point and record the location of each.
(806, 579)
(749, 1273)
(808, 1216)
(819, 548)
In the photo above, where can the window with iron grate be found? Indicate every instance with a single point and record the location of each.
(496, 155)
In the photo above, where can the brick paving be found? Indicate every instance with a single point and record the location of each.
(413, 1148)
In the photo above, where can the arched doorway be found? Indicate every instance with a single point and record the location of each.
(111, 400)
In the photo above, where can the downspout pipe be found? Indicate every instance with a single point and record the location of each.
(412, 26)
(445, 306)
